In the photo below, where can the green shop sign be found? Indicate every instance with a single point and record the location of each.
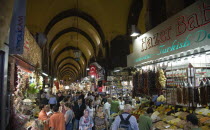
(189, 29)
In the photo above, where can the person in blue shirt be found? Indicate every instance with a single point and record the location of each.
(52, 101)
(125, 114)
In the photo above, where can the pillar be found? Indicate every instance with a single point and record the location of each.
(6, 7)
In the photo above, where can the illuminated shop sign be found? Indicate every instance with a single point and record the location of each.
(189, 29)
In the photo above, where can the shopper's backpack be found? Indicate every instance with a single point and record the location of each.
(125, 123)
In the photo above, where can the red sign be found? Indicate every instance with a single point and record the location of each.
(93, 70)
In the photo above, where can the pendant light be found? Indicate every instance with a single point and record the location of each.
(77, 52)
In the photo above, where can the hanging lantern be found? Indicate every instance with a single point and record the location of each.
(77, 54)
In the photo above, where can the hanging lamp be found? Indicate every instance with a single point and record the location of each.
(77, 52)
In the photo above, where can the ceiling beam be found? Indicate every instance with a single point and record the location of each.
(67, 49)
(72, 29)
(75, 13)
(68, 68)
(68, 72)
(72, 65)
(66, 58)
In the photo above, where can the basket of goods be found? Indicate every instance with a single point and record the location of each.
(204, 119)
(168, 118)
(183, 115)
(203, 111)
(181, 123)
(161, 125)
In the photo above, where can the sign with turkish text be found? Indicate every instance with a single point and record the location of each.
(17, 27)
(189, 29)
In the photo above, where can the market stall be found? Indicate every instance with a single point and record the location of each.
(173, 61)
(26, 81)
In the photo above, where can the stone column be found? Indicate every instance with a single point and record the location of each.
(6, 7)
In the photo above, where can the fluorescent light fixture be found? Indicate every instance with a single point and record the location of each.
(44, 74)
(134, 31)
(117, 69)
(55, 79)
(135, 34)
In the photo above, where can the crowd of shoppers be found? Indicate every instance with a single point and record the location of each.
(91, 111)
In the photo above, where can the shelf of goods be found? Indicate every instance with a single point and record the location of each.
(148, 82)
(189, 86)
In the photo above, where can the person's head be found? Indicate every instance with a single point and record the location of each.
(66, 99)
(62, 103)
(59, 94)
(67, 105)
(78, 93)
(86, 113)
(100, 108)
(120, 98)
(192, 120)
(127, 108)
(55, 108)
(150, 110)
(79, 101)
(114, 98)
(46, 108)
(90, 104)
(109, 100)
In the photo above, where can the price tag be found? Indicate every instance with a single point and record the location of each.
(207, 107)
(208, 114)
(184, 109)
(173, 108)
(169, 106)
(191, 111)
(178, 109)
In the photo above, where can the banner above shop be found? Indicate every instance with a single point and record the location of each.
(187, 30)
(17, 27)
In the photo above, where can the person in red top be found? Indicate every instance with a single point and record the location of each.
(57, 120)
(43, 115)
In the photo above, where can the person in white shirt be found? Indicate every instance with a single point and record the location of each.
(107, 107)
(90, 108)
(122, 103)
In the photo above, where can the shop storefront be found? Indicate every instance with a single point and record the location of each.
(119, 84)
(26, 81)
(173, 59)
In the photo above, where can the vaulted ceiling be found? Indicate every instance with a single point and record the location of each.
(98, 21)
